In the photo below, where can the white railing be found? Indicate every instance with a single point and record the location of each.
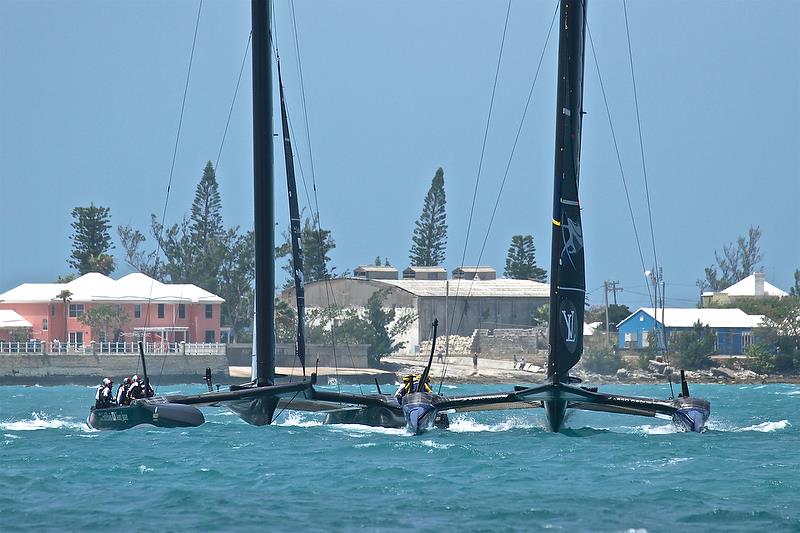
(21, 347)
(160, 348)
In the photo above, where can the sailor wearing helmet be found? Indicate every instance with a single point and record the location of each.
(105, 394)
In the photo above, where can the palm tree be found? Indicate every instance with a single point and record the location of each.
(65, 296)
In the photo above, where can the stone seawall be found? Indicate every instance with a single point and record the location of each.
(39, 368)
(343, 355)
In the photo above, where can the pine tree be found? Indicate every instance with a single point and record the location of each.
(206, 233)
(430, 233)
(91, 240)
(521, 260)
(317, 243)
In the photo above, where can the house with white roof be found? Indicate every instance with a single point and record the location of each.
(753, 286)
(732, 328)
(156, 311)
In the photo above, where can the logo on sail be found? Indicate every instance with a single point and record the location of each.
(571, 239)
(568, 324)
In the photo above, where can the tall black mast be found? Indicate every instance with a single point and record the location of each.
(567, 270)
(263, 193)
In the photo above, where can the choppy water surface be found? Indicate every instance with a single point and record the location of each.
(488, 472)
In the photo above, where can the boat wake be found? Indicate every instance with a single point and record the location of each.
(465, 424)
(42, 421)
(767, 427)
(295, 419)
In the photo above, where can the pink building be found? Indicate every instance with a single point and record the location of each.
(157, 311)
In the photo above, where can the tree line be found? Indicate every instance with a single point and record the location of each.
(200, 249)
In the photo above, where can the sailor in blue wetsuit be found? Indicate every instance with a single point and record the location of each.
(105, 394)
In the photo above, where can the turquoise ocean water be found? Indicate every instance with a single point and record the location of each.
(497, 471)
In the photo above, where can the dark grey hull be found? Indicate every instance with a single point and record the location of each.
(151, 411)
(371, 415)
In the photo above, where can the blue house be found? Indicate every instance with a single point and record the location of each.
(732, 328)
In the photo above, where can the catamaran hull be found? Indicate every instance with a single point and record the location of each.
(419, 417)
(371, 415)
(163, 415)
(420, 413)
(258, 411)
(555, 411)
(691, 415)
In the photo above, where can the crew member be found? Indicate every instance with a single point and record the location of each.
(136, 389)
(411, 384)
(105, 394)
(122, 392)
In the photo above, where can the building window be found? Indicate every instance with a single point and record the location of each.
(76, 338)
(160, 310)
(211, 336)
(52, 310)
(209, 312)
(118, 308)
(747, 340)
(181, 310)
(75, 310)
(137, 311)
(44, 324)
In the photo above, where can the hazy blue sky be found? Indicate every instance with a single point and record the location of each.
(90, 95)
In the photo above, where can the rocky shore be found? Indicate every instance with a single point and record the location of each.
(461, 370)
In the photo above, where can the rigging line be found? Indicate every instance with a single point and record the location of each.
(485, 135)
(483, 152)
(172, 166)
(303, 93)
(505, 175)
(235, 93)
(316, 218)
(285, 407)
(180, 120)
(641, 140)
(619, 158)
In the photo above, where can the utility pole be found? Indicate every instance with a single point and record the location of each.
(614, 289)
(610, 286)
(605, 301)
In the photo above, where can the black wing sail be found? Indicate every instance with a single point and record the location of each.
(294, 216)
(567, 270)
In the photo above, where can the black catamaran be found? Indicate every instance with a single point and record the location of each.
(567, 291)
(256, 401)
(568, 281)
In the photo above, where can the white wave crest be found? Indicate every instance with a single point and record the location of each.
(294, 419)
(767, 427)
(790, 393)
(435, 445)
(41, 421)
(647, 429)
(464, 424)
(143, 469)
(357, 430)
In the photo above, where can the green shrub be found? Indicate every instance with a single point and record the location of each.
(601, 360)
(759, 359)
(692, 348)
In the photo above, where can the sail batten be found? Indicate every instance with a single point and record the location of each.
(568, 279)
